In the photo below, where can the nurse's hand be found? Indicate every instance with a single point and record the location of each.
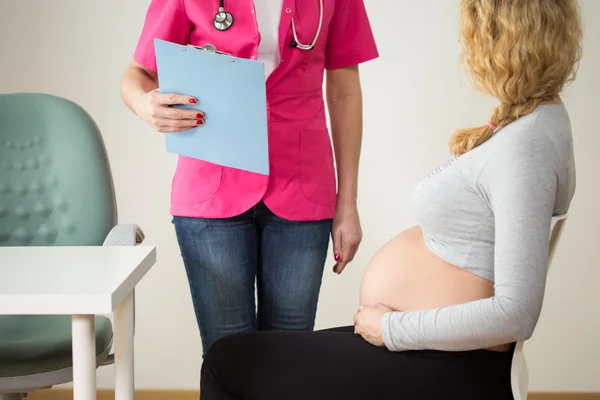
(155, 108)
(347, 234)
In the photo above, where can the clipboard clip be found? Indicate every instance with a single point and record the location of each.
(209, 48)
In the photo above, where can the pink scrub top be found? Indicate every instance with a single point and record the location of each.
(301, 185)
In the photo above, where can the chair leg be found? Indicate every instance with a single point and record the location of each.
(12, 396)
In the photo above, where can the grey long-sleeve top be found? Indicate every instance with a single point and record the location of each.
(489, 212)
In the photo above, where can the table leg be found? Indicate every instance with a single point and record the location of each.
(84, 357)
(124, 382)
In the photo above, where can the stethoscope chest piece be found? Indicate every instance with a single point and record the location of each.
(223, 20)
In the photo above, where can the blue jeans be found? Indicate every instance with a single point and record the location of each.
(225, 258)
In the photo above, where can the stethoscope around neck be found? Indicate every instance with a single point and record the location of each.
(224, 20)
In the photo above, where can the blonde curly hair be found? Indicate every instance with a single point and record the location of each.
(523, 52)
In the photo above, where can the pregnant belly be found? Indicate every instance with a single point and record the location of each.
(406, 276)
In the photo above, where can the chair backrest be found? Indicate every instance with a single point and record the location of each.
(55, 182)
(556, 229)
(519, 372)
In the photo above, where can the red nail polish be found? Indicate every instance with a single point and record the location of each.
(200, 122)
(193, 101)
(199, 115)
(338, 257)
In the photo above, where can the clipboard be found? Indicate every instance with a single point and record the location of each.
(231, 92)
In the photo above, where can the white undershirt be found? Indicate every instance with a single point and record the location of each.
(268, 15)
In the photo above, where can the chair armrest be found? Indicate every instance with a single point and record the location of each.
(123, 235)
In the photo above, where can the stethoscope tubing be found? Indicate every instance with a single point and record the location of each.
(223, 24)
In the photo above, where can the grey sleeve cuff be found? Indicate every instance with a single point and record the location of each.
(385, 331)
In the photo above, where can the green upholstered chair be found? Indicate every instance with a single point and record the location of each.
(55, 190)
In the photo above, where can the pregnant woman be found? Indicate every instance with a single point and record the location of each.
(238, 229)
(444, 302)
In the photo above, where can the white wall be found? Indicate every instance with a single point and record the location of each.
(415, 95)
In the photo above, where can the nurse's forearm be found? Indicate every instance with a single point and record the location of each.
(344, 100)
(135, 82)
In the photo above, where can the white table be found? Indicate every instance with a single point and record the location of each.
(82, 282)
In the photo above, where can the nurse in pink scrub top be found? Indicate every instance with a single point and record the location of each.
(237, 228)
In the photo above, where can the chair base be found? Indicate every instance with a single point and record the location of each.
(17, 385)
(12, 396)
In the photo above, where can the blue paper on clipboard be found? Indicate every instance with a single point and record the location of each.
(231, 92)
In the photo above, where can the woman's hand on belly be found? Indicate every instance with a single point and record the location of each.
(367, 323)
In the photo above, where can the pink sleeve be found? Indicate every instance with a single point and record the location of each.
(166, 20)
(350, 40)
